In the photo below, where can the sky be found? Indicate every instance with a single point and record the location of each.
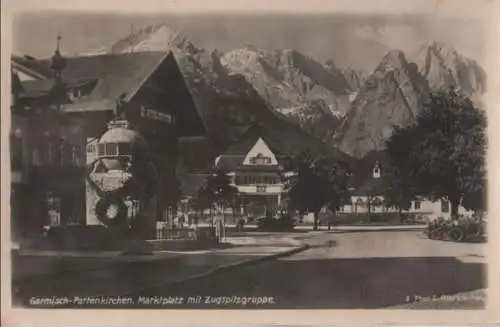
(348, 39)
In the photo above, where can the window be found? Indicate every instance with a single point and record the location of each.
(49, 154)
(66, 157)
(445, 206)
(16, 152)
(260, 159)
(100, 149)
(111, 149)
(69, 155)
(74, 155)
(35, 158)
(90, 148)
(75, 93)
(417, 205)
(114, 149)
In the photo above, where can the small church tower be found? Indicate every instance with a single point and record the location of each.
(377, 170)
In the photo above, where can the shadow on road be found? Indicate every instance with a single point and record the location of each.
(333, 283)
(340, 283)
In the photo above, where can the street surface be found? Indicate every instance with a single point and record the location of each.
(339, 271)
(351, 270)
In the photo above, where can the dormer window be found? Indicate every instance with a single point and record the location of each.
(260, 159)
(75, 93)
(80, 90)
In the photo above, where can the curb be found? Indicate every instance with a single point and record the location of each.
(221, 269)
(377, 230)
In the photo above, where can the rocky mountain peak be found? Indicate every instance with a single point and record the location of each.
(394, 59)
(442, 50)
(159, 37)
(347, 107)
(355, 78)
(392, 95)
(444, 67)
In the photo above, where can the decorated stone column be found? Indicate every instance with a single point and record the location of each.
(121, 180)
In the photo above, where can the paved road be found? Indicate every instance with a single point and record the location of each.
(77, 277)
(349, 270)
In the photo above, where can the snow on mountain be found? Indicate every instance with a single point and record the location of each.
(347, 108)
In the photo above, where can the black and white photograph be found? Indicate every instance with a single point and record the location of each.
(250, 160)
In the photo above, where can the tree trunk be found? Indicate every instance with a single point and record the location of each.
(454, 202)
(369, 209)
(316, 220)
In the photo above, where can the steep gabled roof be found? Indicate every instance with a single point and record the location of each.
(234, 156)
(117, 74)
(36, 88)
(38, 69)
(248, 139)
(281, 141)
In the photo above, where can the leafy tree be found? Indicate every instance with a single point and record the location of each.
(398, 193)
(319, 181)
(475, 200)
(216, 190)
(442, 154)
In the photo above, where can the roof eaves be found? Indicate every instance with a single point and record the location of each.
(20, 64)
(132, 93)
(188, 88)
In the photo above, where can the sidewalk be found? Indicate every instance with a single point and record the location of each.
(342, 228)
(369, 228)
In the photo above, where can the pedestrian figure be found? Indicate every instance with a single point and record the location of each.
(181, 221)
(240, 224)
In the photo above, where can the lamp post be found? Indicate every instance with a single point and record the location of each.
(376, 173)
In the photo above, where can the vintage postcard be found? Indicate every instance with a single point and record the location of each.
(249, 163)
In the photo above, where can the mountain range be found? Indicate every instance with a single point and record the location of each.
(309, 101)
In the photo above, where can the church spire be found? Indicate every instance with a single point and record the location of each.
(57, 66)
(59, 38)
(58, 61)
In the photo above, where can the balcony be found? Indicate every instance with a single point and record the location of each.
(260, 189)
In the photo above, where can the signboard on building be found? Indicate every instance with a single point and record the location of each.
(156, 115)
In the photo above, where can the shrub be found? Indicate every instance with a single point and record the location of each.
(273, 224)
(462, 229)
